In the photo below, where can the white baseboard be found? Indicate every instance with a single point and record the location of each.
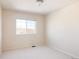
(66, 53)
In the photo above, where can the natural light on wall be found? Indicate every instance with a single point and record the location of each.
(25, 27)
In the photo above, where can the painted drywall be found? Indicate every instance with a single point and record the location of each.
(11, 40)
(62, 29)
(0, 30)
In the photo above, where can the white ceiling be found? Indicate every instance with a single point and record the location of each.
(32, 6)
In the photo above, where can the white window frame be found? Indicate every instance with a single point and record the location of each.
(29, 25)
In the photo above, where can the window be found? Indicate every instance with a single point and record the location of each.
(25, 26)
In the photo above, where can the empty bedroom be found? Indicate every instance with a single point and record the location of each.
(39, 29)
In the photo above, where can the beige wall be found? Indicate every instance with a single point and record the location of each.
(63, 29)
(11, 40)
(0, 31)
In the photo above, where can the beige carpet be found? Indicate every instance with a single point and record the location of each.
(34, 53)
